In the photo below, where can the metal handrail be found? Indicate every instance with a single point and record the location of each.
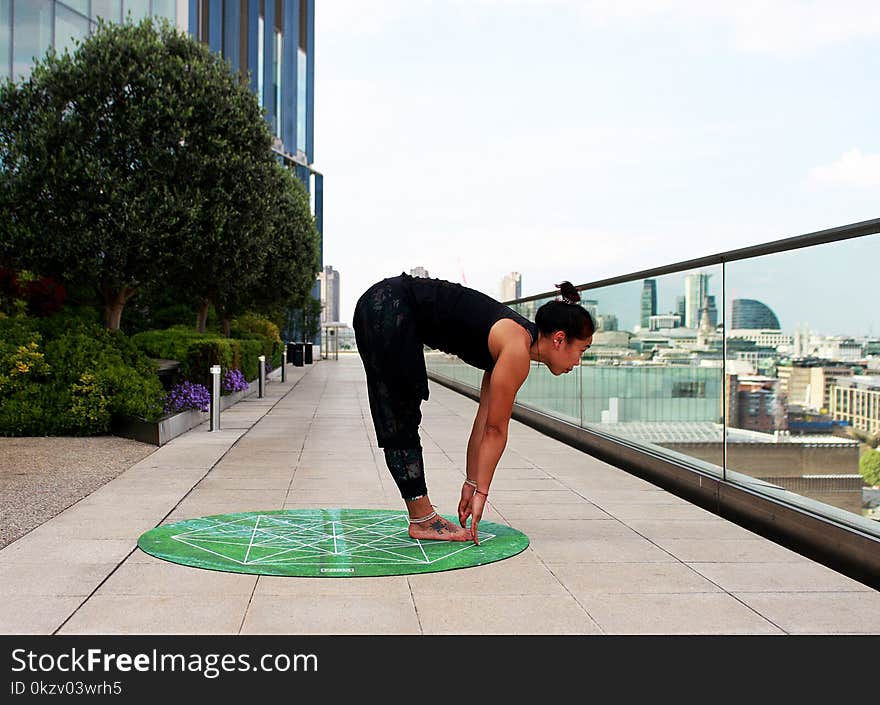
(821, 237)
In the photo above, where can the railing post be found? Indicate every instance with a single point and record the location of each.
(262, 384)
(215, 398)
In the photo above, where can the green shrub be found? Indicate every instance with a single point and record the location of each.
(75, 383)
(869, 466)
(197, 352)
(254, 325)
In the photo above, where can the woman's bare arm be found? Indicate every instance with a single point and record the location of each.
(479, 428)
(511, 370)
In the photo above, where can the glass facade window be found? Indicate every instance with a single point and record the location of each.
(110, 10)
(31, 34)
(5, 37)
(70, 28)
(81, 6)
(135, 10)
(301, 100)
(164, 8)
(261, 25)
(301, 74)
(279, 45)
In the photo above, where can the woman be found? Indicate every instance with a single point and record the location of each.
(392, 321)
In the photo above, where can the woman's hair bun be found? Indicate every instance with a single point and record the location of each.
(568, 292)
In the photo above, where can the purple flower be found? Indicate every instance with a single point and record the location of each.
(187, 395)
(233, 381)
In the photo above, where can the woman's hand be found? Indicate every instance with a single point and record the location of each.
(478, 501)
(464, 504)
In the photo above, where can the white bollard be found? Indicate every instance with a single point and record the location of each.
(215, 398)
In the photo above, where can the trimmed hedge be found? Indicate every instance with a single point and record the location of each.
(197, 352)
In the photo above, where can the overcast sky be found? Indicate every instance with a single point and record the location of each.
(583, 139)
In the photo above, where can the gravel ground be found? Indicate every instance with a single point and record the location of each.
(41, 477)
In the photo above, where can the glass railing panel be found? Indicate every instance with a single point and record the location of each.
(654, 373)
(803, 374)
(557, 395)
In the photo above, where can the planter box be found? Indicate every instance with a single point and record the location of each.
(158, 433)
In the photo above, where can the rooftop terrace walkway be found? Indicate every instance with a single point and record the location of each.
(609, 553)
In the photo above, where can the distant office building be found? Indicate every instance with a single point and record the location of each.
(696, 289)
(713, 311)
(511, 286)
(771, 338)
(649, 302)
(419, 272)
(663, 321)
(811, 386)
(755, 403)
(838, 348)
(329, 281)
(607, 322)
(592, 307)
(750, 314)
(858, 404)
(680, 307)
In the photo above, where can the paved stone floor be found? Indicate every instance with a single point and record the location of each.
(609, 553)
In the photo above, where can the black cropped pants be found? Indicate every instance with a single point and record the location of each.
(397, 382)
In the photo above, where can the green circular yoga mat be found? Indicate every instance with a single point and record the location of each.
(326, 543)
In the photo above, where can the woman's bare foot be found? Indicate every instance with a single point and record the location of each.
(439, 529)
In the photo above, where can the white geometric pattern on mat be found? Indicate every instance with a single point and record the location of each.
(271, 539)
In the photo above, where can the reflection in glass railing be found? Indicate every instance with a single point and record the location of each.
(803, 371)
(781, 376)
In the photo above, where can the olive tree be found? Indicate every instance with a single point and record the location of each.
(139, 158)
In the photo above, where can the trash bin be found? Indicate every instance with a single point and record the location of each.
(308, 352)
(295, 354)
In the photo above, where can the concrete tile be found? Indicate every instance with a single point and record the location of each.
(25, 614)
(584, 510)
(685, 529)
(254, 496)
(252, 482)
(576, 529)
(696, 613)
(102, 528)
(522, 574)
(626, 511)
(756, 550)
(259, 472)
(146, 614)
(330, 614)
(618, 481)
(802, 576)
(599, 551)
(819, 612)
(504, 498)
(503, 614)
(525, 485)
(628, 578)
(55, 579)
(614, 497)
(169, 579)
(29, 549)
(395, 586)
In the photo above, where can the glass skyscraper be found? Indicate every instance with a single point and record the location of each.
(649, 302)
(752, 315)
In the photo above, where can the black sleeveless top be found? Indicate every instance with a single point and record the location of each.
(456, 319)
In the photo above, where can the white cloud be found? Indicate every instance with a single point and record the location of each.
(851, 169)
